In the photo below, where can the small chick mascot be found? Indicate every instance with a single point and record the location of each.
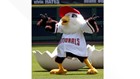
(72, 44)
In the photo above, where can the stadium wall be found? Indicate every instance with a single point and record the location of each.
(87, 10)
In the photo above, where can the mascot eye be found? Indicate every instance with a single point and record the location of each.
(74, 16)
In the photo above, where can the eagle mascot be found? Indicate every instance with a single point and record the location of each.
(72, 44)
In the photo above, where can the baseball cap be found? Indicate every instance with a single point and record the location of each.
(66, 9)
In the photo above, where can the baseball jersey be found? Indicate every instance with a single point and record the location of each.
(73, 42)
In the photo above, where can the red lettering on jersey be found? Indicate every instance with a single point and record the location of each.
(75, 41)
(63, 40)
(78, 41)
(72, 41)
(69, 40)
(66, 39)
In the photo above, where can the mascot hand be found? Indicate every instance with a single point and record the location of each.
(47, 22)
(50, 25)
(43, 19)
(92, 21)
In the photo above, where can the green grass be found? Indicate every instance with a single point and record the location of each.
(40, 73)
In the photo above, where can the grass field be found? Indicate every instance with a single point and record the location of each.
(40, 73)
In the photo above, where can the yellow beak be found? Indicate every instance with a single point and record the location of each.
(65, 20)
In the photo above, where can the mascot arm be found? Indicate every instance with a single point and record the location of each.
(54, 27)
(93, 24)
(46, 22)
(90, 26)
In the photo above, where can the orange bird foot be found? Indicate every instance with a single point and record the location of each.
(92, 71)
(58, 71)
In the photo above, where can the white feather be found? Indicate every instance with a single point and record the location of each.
(74, 24)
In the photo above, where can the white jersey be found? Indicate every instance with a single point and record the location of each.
(73, 42)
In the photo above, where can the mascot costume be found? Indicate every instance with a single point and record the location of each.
(72, 44)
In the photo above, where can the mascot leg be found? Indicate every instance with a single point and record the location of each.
(92, 70)
(60, 69)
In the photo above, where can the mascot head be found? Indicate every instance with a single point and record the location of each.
(71, 19)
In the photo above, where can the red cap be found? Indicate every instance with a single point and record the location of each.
(66, 9)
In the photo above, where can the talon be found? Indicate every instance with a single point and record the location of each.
(92, 71)
(58, 71)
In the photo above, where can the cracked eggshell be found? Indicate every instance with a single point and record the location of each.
(95, 56)
(48, 62)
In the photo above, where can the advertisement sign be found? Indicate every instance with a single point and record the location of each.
(45, 1)
(66, 1)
